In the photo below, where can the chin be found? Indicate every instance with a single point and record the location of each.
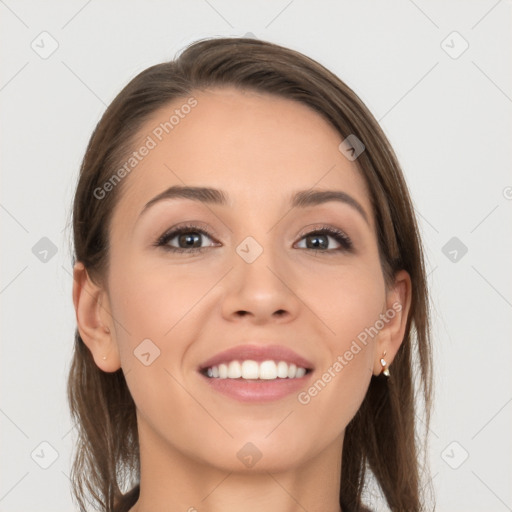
(257, 455)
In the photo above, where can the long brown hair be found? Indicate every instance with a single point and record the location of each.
(382, 437)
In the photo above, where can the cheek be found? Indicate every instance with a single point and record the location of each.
(156, 301)
(155, 306)
(332, 400)
(348, 302)
(346, 299)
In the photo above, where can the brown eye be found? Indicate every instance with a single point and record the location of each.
(318, 240)
(187, 239)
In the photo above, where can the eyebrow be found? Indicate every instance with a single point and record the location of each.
(300, 199)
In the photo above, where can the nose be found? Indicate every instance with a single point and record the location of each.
(261, 290)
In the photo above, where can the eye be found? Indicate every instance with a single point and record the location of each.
(187, 238)
(318, 240)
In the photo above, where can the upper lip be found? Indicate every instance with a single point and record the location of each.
(257, 353)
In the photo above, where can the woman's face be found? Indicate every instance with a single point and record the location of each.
(265, 276)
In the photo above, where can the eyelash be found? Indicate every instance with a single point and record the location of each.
(338, 235)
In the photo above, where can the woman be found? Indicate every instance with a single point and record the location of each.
(250, 294)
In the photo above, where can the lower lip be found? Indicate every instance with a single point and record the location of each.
(257, 390)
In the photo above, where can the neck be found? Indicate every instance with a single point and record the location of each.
(171, 481)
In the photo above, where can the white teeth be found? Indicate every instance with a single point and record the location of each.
(300, 373)
(282, 370)
(249, 369)
(234, 370)
(268, 370)
(223, 371)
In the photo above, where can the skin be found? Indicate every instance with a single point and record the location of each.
(259, 149)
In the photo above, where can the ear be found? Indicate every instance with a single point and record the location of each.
(94, 320)
(394, 318)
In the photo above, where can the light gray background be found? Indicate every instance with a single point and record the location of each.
(448, 118)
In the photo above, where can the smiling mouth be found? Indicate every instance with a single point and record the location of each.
(254, 370)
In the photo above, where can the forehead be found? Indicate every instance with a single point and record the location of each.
(259, 148)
